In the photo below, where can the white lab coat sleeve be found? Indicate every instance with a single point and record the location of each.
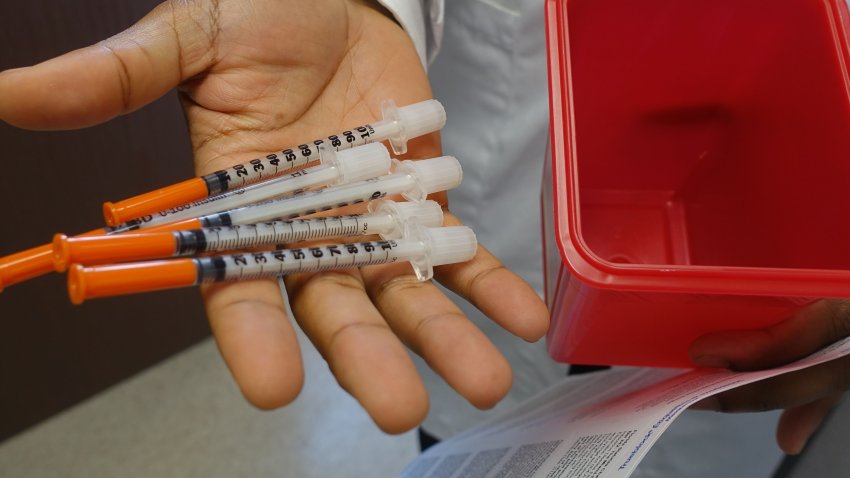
(423, 21)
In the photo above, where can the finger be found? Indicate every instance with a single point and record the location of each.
(364, 355)
(436, 329)
(798, 424)
(500, 294)
(256, 340)
(807, 331)
(784, 391)
(173, 42)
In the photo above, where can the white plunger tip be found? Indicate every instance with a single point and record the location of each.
(451, 245)
(424, 213)
(413, 121)
(363, 162)
(422, 118)
(432, 175)
(443, 245)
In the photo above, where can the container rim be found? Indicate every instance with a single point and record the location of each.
(591, 269)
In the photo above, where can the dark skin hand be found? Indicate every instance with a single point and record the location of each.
(806, 395)
(257, 76)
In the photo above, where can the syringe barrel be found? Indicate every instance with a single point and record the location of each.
(178, 225)
(139, 246)
(282, 162)
(296, 182)
(246, 236)
(313, 202)
(337, 167)
(259, 265)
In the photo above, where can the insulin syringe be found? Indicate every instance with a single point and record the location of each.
(424, 248)
(385, 218)
(356, 164)
(413, 179)
(398, 126)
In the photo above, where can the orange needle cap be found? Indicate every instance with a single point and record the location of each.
(126, 247)
(155, 201)
(120, 279)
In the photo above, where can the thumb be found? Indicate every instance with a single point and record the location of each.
(798, 424)
(809, 330)
(173, 42)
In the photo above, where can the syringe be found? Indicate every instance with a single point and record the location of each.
(356, 164)
(425, 248)
(398, 126)
(385, 218)
(414, 180)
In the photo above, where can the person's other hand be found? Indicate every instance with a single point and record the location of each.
(257, 76)
(806, 395)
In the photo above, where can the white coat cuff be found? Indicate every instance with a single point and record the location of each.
(423, 21)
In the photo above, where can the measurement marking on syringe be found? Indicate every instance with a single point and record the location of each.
(424, 248)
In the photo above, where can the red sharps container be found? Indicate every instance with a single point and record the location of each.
(699, 173)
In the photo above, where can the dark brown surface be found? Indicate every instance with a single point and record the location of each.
(53, 354)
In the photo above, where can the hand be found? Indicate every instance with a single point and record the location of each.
(256, 76)
(806, 395)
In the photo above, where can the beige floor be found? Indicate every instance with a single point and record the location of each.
(186, 418)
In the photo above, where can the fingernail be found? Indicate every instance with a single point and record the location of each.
(797, 448)
(711, 361)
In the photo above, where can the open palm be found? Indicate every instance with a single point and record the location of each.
(256, 76)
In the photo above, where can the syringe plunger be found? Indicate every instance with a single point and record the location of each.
(413, 121)
(443, 245)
